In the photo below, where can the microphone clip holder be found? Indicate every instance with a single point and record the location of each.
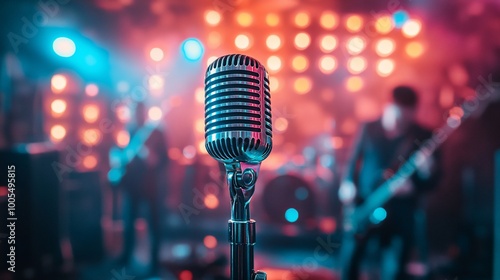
(241, 179)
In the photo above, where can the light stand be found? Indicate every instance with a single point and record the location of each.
(241, 179)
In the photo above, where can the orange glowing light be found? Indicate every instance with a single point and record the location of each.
(329, 20)
(58, 106)
(122, 138)
(356, 65)
(90, 113)
(302, 85)
(327, 64)
(301, 20)
(91, 136)
(273, 42)
(384, 24)
(90, 161)
(355, 45)
(199, 125)
(281, 124)
(274, 84)
(328, 43)
(214, 39)
(302, 40)
(201, 148)
(244, 19)
(57, 132)
(274, 63)
(385, 67)
(385, 47)
(354, 23)
(272, 19)
(58, 83)
(414, 49)
(156, 54)
(210, 241)
(354, 84)
(155, 113)
(212, 17)
(242, 42)
(300, 63)
(211, 201)
(91, 90)
(199, 95)
(411, 28)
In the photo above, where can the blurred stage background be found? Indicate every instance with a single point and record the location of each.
(72, 71)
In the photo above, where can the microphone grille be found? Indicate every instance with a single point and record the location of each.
(238, 116)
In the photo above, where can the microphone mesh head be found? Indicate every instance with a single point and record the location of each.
(238, 124)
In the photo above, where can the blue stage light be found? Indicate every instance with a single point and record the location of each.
(399, 18)
(64, 47)
(192, 49)
(291, 215)
(378, 215)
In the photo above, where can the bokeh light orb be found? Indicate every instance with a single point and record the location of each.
(385, 47)
(155, 113)
(58, 83)
(300, 63)
(242, 42)
(90, 113)
(328, 43)
(64, 47)
(302, 85)
(354, 84)
(57, 132)
(302, 41)
(414, 49)
(156, 54)
(356, 65)
(355, 45)
(90, 162)
(400, 17)
(212, 17)
(58, 106)
(411, 28)
(91, 90)
(385, 67)
(272, 19)
(274, 63)
(244, 19)
(384, 24)
(273, 42)
(327, 64)
(354, 23)
(329, 20)
(122, 138)
(192, 49)
(301, 20)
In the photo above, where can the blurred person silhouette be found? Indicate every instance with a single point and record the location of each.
(142, 183)
(381, 148)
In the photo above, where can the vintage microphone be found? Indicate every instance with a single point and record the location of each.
(238, 133)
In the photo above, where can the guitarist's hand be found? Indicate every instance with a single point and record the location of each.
(347, 192)
(406, 189)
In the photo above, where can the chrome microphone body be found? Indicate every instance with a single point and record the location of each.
(238, 133)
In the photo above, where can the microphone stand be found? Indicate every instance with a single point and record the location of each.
(241, 228)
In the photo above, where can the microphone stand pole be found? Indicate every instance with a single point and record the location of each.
(241, 228)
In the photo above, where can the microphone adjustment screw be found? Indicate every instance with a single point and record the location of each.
(247, 178)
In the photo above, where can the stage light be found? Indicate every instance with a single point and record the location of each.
(242, 42)
(329, 20)
(356, 65)
(414, 49)
(192, 49)
(327, 64)
(90, 113)
(355, 45)
(411, 28)
(399, 18)
(211, 59)
(156, 82)
(91, 90)
(123, 113)
(378, 215)
(280, 124)
(64, 47)
(58, 106)
(211, 201)
(274, 63)
(90, 161)
(272, 19)
(301, 20)
(273, 42)
(274, 84)
(384, 24)
(57, 132)
(385, 67)
(214, 39)
(210, 241)
(302, 40)
(244, 19)
(155, 113)
(354, 83)
(385, 47)
(58, 83)
(300, 63)
(328, 43)
(354, 23)
(122, 138)
(302, 85)
(212, 17)
(291, 215)
(91, 136)
(156, 54)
